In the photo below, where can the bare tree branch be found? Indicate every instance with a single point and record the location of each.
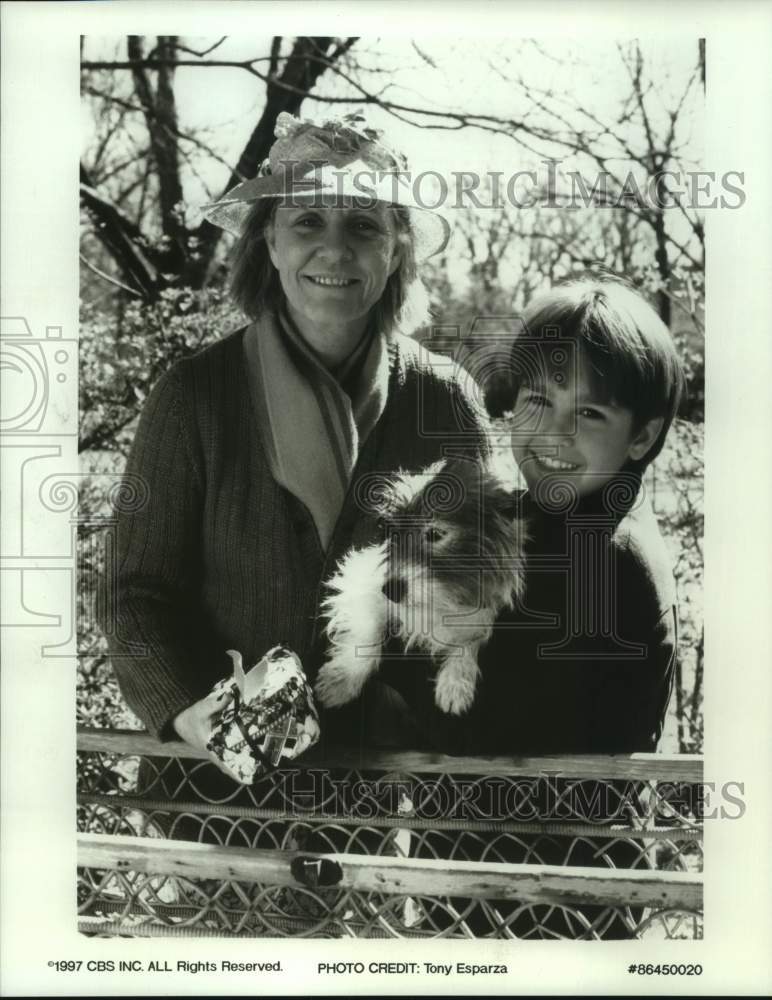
(121, 237)
(108, 278)
(179, 134)
(193, 52)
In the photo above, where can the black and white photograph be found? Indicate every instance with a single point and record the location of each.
(359, 544)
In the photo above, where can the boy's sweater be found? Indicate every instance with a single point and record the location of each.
(585, 663)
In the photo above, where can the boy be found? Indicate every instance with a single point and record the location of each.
(585, 663)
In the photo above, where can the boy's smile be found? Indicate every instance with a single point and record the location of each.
(555, 464)
(562, 427)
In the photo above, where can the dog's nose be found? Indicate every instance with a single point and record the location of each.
(395, 589)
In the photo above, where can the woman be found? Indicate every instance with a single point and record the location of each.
(258, 452)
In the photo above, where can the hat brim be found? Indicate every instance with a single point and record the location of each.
(315, 184)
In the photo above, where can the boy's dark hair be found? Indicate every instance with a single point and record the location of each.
(629, 351)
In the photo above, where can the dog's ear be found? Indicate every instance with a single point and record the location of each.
(456, 463)
(465, 469)
(509, 503)
(376, 494)
(465, 481)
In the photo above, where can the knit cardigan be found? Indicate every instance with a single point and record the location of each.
(217, 555)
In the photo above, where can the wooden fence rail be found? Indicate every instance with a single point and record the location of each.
(420, 877)
(686, 768)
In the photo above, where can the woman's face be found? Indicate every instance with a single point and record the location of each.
(333, 263)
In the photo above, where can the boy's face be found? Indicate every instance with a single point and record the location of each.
(562, 429)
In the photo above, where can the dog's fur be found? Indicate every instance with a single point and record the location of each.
(451, 562)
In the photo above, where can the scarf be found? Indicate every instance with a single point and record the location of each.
(311, 427)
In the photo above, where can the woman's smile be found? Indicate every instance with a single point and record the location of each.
(330, 281)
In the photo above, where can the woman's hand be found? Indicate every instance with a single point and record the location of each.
(194, 724)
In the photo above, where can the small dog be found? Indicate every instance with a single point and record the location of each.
(450, 563)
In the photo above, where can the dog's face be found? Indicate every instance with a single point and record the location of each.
(449, 562)
(450, 543)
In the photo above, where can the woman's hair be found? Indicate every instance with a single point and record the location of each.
(255, 285)
(629, 352)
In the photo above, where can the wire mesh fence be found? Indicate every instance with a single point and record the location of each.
(388, 845)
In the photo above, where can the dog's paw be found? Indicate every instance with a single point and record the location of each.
(337, 684)
(454, 691)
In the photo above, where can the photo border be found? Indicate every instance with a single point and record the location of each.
(40, 146)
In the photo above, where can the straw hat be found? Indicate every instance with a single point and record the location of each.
(341, 157)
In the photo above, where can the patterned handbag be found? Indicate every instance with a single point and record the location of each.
(270, 716)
